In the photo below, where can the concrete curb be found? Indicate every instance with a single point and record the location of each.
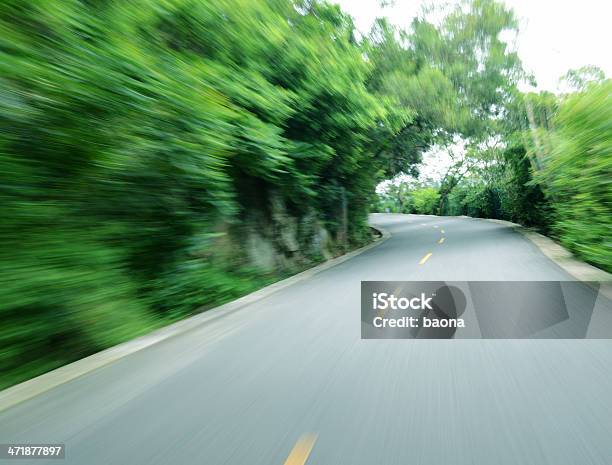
(35, 386)
(563, 258)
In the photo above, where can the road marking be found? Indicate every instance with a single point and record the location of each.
(441, 240)
(400, 288)
(425, 258)
(442, 231)
(300, 452)
(435, 225)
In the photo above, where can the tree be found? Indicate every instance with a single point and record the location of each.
(579, 79)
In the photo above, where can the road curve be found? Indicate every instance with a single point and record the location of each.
(288, 379)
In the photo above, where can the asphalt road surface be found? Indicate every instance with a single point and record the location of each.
(289, 380)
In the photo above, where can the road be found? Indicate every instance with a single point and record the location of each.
(288, 378)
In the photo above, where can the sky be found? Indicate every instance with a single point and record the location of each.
(554, 36)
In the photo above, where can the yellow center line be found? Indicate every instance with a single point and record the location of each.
(381, 313)
(425, 258)
(399, 289)
(441, 240)
(300, 452)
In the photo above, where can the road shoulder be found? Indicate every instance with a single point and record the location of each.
(576, 268)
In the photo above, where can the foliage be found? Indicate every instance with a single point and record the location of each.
(577, 174)
(404, 198)
(425, 200)
(137, 138)
(579, 79)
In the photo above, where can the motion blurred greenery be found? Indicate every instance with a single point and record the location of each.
(576, 173)
(139, 139)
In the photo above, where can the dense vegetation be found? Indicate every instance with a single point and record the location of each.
(575, 172)
(155, 153)
(138, 139)
(158, 157)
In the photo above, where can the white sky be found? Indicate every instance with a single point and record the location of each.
(555, 35)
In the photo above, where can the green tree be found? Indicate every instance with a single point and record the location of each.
(579, 79)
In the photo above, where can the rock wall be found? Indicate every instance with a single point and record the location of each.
(276, 240)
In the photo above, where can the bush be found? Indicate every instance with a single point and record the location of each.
(578, 171)
(425, 200)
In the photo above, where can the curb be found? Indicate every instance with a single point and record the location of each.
(35, 386)
(580, 270)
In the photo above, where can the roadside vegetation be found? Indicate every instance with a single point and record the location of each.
(158, 158)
